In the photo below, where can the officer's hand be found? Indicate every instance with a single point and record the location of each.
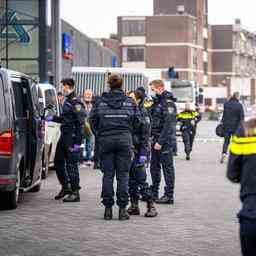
(157, 147)
(193, 122)
(76, 148)
(142, 159)
(49, 119)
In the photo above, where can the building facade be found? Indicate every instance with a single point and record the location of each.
(23, 43)
(176, 35)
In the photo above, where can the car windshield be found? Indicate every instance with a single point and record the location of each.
(183, 93)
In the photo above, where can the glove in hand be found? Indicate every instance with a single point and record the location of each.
(49, 119)
(142, 159)
(76, 148)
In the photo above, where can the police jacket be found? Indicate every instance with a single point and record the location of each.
(188, 119)
(163, 113)
(142, 132)
(241, 169)
(233, 114)
(72, 120)
(114, 113)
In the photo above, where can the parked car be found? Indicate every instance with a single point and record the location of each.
(21, 138)
(48, 101)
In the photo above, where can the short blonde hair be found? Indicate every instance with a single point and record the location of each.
(157, 83)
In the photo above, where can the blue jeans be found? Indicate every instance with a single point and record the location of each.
(88, 148)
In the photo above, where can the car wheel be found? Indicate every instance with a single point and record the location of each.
(11, 198)
(45, 164)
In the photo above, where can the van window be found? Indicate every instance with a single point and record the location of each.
(3, 116)
(2, 101)
(50, 99)
(20, 103)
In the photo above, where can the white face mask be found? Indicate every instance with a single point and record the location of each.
(153, 93)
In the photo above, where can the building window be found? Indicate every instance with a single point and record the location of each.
(19, 35)
(134, 54)
(133, 28)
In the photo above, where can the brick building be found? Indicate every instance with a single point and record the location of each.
(176, 35)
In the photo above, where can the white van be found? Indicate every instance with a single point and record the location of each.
(47, 95)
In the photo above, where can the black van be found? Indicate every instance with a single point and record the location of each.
(21, 138)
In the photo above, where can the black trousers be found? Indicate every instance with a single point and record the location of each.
(164, 159)
(116, 160)
(226, 143)
(66, 164)
(188, 136)
(138, 182)
(248, 237)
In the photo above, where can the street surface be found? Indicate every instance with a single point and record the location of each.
(201, 223)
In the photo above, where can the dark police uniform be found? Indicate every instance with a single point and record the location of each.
(163, 114)
(113, 119)
(241, 169)
(138, 177)
(188, 120)
(72, 133)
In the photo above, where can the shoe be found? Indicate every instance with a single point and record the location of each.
(63, 193)
(165, 200)
(72, 198)
(108, 215)
(223, 158)
(123, 214)
(188, 157)
(134, 209)
(151, 211)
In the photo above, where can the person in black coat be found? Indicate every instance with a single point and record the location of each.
(68, 149)
(113, 119)
(163, 114)
(241, 169)
(138, 176)
(232, 116)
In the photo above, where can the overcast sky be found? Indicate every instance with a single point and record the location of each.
(98, 18)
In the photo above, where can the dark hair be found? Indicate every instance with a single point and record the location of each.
(68, 81)
(60, 94)
(115, 81)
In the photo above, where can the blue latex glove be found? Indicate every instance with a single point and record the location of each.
(142, 159)
(49, 119)
(76, 148)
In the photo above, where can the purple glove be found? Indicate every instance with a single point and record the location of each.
(49, 119)
(76, 148)
(142, 159)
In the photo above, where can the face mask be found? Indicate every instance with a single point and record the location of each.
(153, 93)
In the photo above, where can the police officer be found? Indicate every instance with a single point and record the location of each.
(113, 119)
(188, 120)
(163, 114)
(69, 145)
(138, 177)
(241, 169)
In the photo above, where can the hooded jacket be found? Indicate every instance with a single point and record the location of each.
(114, 113)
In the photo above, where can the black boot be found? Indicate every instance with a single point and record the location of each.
(63, 193)
(165, 200)
(134, 209)
(123, 214)
(108, 215)
(72, 198)
(151, 211)
(188, 157)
